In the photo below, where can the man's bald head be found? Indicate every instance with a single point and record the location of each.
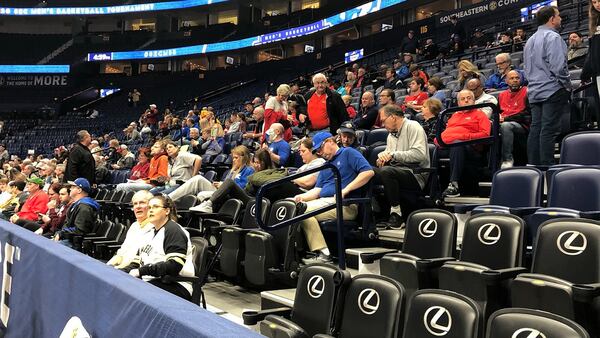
(277, 127)
(368, 99)
(474, 85)
(513, 80)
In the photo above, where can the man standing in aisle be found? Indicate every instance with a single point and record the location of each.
(545, 57)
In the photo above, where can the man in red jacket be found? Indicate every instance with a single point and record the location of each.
(515, 117)
(36, 203)
(463, 126)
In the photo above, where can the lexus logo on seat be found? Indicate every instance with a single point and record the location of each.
(428, 227)
(281, 213)
(437, 321)
(315, 286)
(571, 243)
(489, 234)
(253, 211)
(368, 301)
(528, 333)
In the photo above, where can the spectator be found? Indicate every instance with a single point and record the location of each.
(279, 149)
(387, 96)
(391, 81)
(3, 153)
(136, 232)
(504, 65)
(367, 114)
(430, 51)
(258, 116)
(59, 173)
(346, 136)
(430, 111)
(326, 110)
(211, 144)
(81, 162)
(576, 46)
(341, 88)
(504, 40)
(350, 82)
(238, 123)
(18, 198)
(151, 116)
(349, 108)
(276, 111)
(310, 161)
(44, 219)
(5, 196)
(520, 36)
(475, 86)
(135, 97)
(157, 173)
(239, 173)
(264, 172)
(127, 160)
(591, 69)
(515, 117)
(466, 72)
(403, 71)
(409, 44)
(295, 96)
(46, 173)
(545, 57)
(479, 39)
(131, 135)
(463, 126)
(406, 148)
(362, 79)
(36, 203)
(140, 170)
(182, 166)
(355, 173)
(415, 71)
(433, 89)
(167, 253)
(82, 214)
(192, 115)
(249, 108)
(416, 97)
(457, 31)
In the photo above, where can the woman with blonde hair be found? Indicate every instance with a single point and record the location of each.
(468, 71)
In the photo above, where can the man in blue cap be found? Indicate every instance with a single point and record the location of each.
(355, 172)
(83, 211)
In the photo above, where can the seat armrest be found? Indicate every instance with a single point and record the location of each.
(523, 211)
(585, 292)
(370, 257)
(213, 223)
(173, 279)
(322, 335)
(590, 214)
(213, 216)
(503, 274)
(464, 208)
(429, 263)
(253, 317)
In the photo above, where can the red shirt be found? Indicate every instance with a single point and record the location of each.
(466, 125)
(140, 170)
(274, 113)
(36, 202)
(415, 99)
(317, 111)
(512, 103)
(351, 111)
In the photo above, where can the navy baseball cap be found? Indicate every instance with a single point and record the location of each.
(347, 127)
(319, 138)
(83, 183)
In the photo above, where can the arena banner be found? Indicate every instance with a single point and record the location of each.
(123, 9)
(290, 33)
(33, 80)
(49, 289)
(482, 8)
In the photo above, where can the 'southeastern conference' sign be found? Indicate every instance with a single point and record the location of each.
(479, 9)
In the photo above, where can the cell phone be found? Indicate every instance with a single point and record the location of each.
(213, 132)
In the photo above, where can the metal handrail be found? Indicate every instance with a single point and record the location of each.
(493, 138)
(338, 206)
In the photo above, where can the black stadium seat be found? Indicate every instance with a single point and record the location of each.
(518, 322)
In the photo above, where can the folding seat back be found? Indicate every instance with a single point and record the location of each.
(268, 249)
(210, 175)
(233, 237)
(564, 246)
(361, 136)
(528, 181)
(373, 152)
(526, 323)
(441, 313)
(493, 240)
(430, 233)
(186, 202)
(576, 188)
(581, 148)
(565, 271)
(377, 135)
(373, 307)
(320, 293)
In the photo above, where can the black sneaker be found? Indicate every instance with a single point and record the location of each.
(451, 191)
(396, 221)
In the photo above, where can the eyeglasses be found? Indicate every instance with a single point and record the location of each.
(150, 207)
(501, 63)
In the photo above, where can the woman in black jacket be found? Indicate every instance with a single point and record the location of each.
(591, 69)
